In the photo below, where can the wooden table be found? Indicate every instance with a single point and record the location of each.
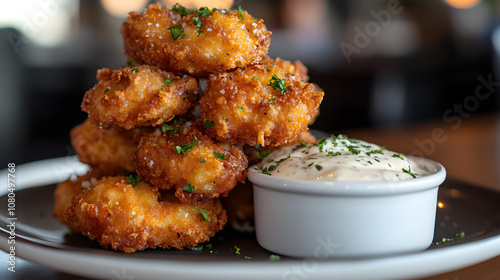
(470, 151)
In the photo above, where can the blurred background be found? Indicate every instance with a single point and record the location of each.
(381, 63)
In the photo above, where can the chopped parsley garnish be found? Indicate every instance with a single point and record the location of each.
(302, 144)
(208, 124)
(318, 167)
(409, 171)
(332, 154)
(206, 218)
(179, 121)
(168, 82)
(398, 156)
(241, 108)
(272, 100)
(181, 9)
(238, 249)
(106, 90)
(219, 156)
(135, 70)
(183, 148)
(203, 12)
(263, 154)
(353, 149)
(166, 128)
(274, 257)
(202, 160)
(278, 84)
(176, 32)
(133, 179)
(374, 152)
(188, 188)
(444, 240)
(240, 10)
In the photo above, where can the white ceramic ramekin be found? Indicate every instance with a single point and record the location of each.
(318, 219)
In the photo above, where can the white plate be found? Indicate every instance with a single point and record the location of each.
(41, 239)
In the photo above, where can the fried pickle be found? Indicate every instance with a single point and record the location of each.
(194, 42)
(258, 105)
(109, 149)
(127, 217)
(138, 96)
(189, 161)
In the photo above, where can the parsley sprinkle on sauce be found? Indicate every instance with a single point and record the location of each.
(339, 158)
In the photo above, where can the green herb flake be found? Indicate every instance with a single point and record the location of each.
(203, 12)
(197, 22)
(176, 32)
(135, 70)
(272, 100)
(188, 188)
(263, 154)
(204, 213)
(353, 149)
(374, 152)
(202, 160)
(409, 171)
(398, 156)
(106, 90)
(274, 258)
(219, 156)
(208, 124)
(248, 258)
(278, 84)
(179, 121)
(183, 11)
(133, 179)
(130, 62)
(237, 250)
(240, 10)
(168, 82)
(183, 148)
(241, 108)
(318, 167)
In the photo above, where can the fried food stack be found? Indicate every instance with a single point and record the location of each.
(158, 170)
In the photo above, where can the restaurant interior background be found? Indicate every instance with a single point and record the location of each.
(380, 63)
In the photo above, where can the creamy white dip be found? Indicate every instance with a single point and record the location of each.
(340, 158)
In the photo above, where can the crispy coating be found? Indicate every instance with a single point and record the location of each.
(109, 149)
(295, 68)
(247, 109)
(208, 44)
(129, 218)
(212, 168)
(138, 96)
(68, 189)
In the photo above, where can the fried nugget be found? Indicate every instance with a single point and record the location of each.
(109, 150)
(189, 161)
(194, 42)
(258, 105)
(65, 191)
(129, 218)
(138, 96)
(295, 68)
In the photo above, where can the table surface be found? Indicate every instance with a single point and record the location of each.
(469, 148)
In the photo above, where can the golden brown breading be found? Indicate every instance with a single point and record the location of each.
(258, 105)
(190, 158)
(128, 218)
(109, 149)
(216, 42)
(138, 96)
(295, 68)
(68, 189)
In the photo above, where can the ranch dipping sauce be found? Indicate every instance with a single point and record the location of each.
(340, 158)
